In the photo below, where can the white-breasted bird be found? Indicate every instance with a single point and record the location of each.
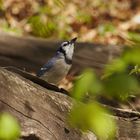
(58, 66)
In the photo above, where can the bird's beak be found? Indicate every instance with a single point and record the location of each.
(73, 40)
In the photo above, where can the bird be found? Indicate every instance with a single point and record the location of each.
(59, 65)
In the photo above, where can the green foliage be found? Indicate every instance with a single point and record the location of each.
(59, 3)
(132, 55)
(93, 117)
(87, 83)
(120, 85)
(134, 36)
(63, 34)
(135, 70)
(45, 23)
(90, 116)
(45, 10)
(9, 127)
(117, 65)
(107, 27)
(6, 28)
(118, 82)
(83, 17)
(42, 27)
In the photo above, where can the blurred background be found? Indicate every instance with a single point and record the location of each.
(98, 21)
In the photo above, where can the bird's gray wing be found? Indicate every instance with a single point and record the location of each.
(46, 67)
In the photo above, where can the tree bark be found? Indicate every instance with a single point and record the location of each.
(41, 112)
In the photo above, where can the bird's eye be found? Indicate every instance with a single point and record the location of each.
(64, 44)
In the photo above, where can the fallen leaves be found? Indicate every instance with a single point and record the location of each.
(96, 21)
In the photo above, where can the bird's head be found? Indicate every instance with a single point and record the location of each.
(67, 48)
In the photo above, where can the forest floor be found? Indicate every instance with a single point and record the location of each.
(98, 21)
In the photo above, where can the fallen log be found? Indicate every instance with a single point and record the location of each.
(42, 113)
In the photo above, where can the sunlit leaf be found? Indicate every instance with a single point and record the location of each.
(132, 56)
(9, 127)
(85, 84)
(135, 70)
(93, 117)
(117, 65)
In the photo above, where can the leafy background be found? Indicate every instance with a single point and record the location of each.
(99, 21)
